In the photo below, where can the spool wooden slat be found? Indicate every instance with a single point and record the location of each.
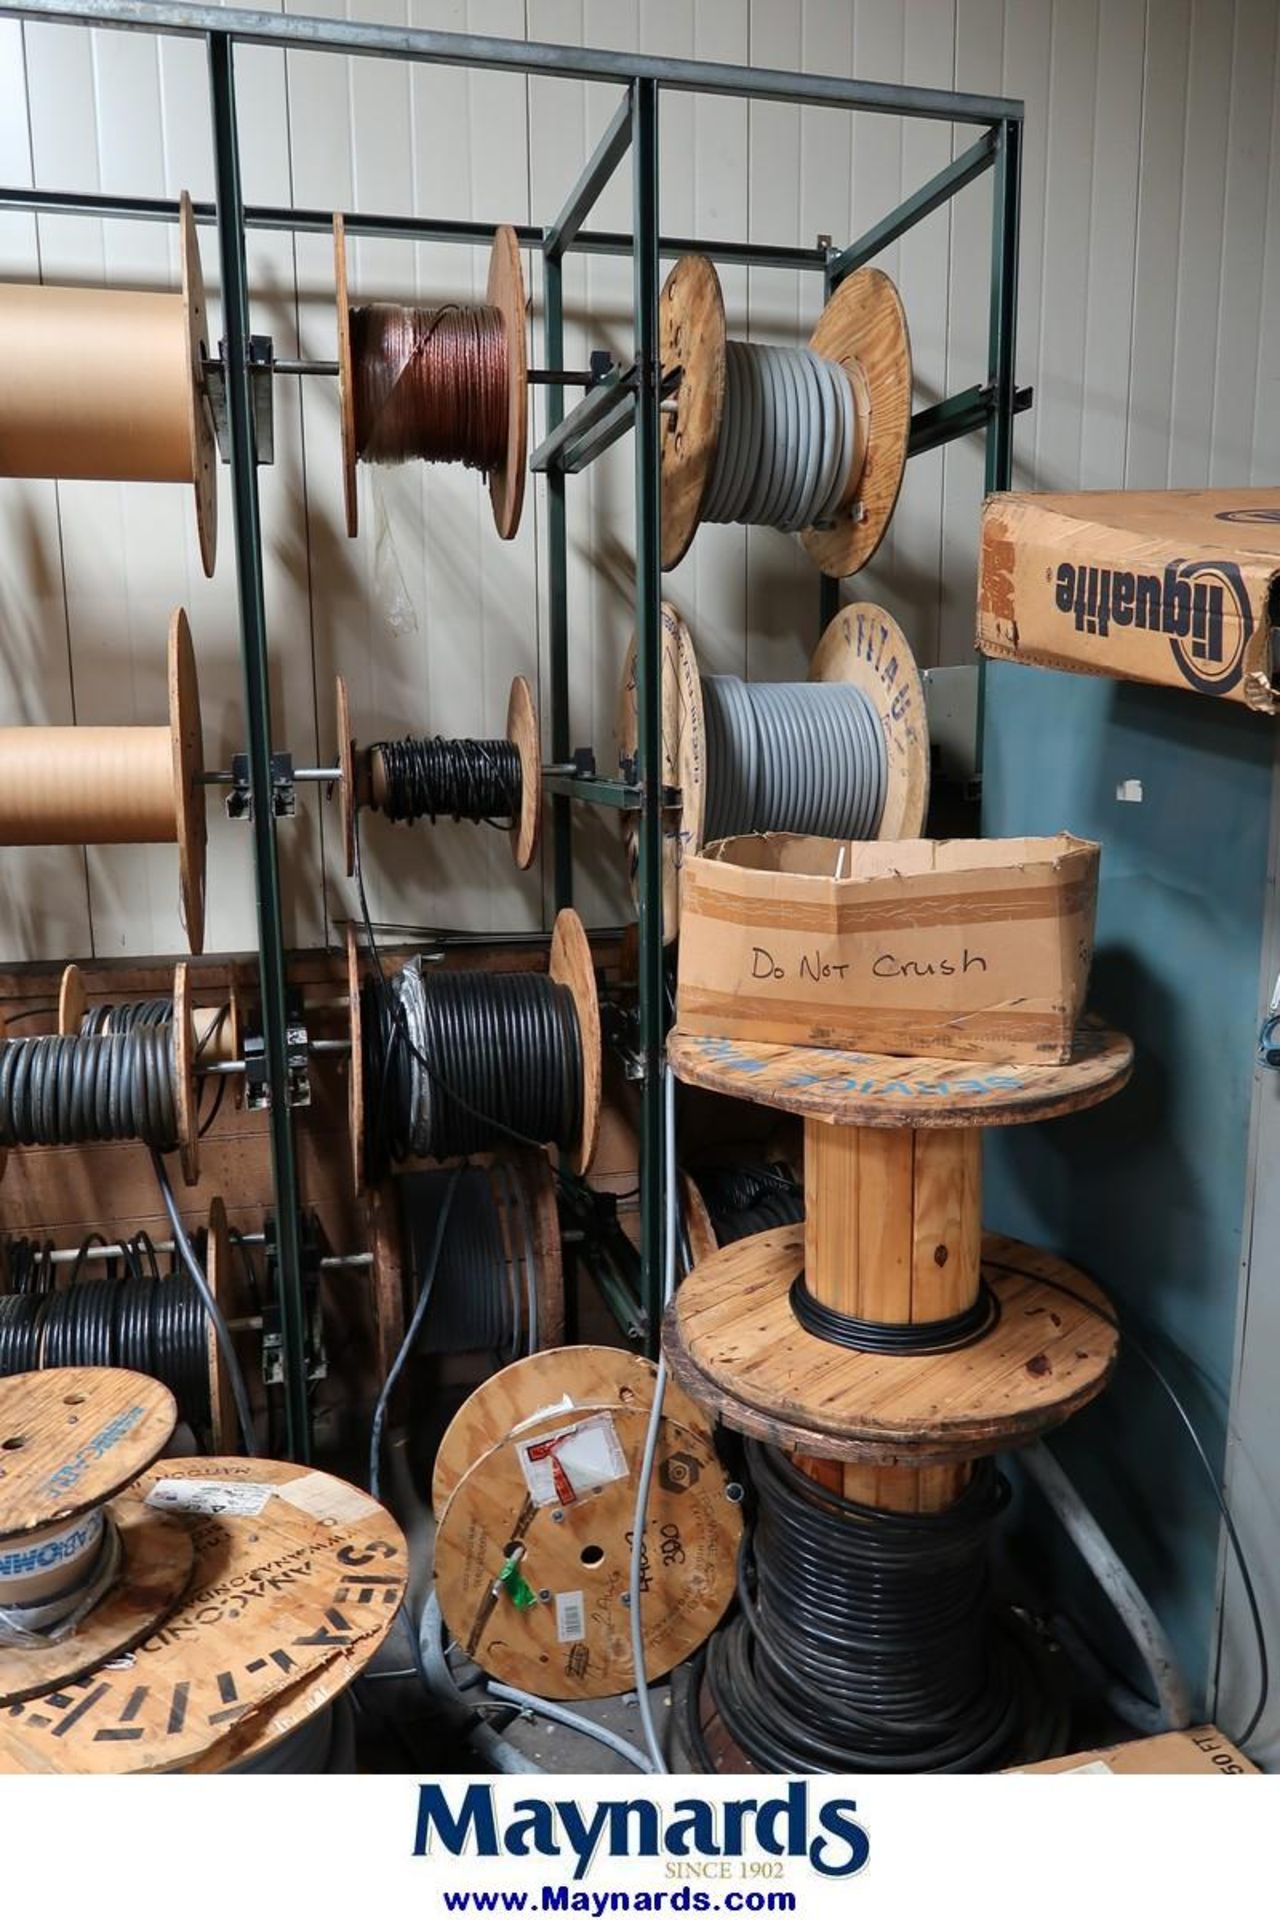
(879, 1090)
(522, 732)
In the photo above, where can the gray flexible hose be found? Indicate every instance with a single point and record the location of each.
(576, 1722)
(222, 1332)
(1116, 1581)
(635, 1592)
(787, 438)
(783, 757)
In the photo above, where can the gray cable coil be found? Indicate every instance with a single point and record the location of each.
(806, 757)
(787, 437)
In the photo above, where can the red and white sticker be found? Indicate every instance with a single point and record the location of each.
(572, 1462)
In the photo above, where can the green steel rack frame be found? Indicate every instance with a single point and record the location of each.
(629, 403)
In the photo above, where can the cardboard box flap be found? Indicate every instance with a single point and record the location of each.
(802, 854)
(1175, 588)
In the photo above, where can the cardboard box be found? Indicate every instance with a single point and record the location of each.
(1179, 589)
(1197, 1750)
(965, 949)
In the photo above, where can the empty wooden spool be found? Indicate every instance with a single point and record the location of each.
(863, 329)
(104, 384)
(112, 786)
(892, 1235)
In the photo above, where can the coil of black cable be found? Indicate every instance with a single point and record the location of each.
(456, 1063)
(68, 1089)
(133, 1314)
(437, 779)
(868, 1640)
(482, 1300)
(750, 1198)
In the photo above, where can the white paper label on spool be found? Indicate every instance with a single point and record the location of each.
(571, 1618)
(247, 1497)
(570, 1463)
(325, 1498)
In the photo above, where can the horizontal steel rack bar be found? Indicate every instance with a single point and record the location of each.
(394, 226)
(524, 56)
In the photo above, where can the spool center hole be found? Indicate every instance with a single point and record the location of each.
(591, 1556)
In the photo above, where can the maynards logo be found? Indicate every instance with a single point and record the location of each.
(1201, 606)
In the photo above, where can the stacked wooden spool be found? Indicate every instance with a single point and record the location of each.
(535, 1492)
(196, 1659)
(892, 1237)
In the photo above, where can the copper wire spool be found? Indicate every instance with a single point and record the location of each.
(448, 384)
(430, 384)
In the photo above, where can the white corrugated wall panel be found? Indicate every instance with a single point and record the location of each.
(1149, 328)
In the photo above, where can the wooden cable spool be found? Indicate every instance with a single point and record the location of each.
(112, 786)
(102, 384)
(504, 291)
(73, 1441)
(892, 1235)
(247, 1658)
(863, 329)
(557, 1497)
(570, 965)
(862, 647)
(362, 776)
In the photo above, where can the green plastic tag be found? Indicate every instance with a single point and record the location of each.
(515, 1585)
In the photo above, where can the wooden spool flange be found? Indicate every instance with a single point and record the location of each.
(362, 781)
(892, 1235)
(505, 291)
(540, 1493)
(110, 786)
(292, 1596)
(355, 1064)
(571, 965)
(72, 1438)
(216, 1036)
(102, 384)
(556, 1379)
(863, 647)
(863, 329)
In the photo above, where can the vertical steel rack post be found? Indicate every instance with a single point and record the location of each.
(628, 402)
